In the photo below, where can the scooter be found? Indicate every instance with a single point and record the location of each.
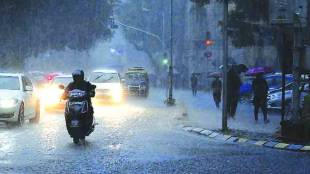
(77, 114)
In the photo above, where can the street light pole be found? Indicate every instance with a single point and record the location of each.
(170, 100)
(296, 67)
(225, 66)
(142, 31)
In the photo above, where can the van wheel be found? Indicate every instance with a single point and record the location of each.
(36, 119)
(21, 116)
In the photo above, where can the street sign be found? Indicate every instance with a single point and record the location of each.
(281, 11)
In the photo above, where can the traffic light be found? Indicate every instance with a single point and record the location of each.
(208, 40)
(165, 61)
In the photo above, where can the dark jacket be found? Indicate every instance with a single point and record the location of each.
(217, 86)
(260, 88)
(81, 85)
(194, 81)
(233, 82)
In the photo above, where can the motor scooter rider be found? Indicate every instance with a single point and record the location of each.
(80, 84)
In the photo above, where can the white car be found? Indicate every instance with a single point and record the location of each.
(18, 101)
(109, 86)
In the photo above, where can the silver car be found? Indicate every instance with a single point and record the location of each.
(275, 97)
(18, 100)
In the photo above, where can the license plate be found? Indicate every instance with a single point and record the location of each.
(74, 123)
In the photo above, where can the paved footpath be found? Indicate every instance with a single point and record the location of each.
(201, 112)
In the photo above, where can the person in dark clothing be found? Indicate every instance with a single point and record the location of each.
(194, 84)
(217, 91)
(260, 90)
(234, 82)
(81, 84)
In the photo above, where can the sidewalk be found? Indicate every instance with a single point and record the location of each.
(201, 112)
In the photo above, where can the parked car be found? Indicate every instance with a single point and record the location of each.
(137, 82)
(274, 83)
(109, 86)
(275, 98)
(18, 100)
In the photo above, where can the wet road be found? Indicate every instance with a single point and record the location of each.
(141, 136)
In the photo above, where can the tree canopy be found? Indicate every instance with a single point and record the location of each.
(29, 27)
(247, 21)
(152, 16)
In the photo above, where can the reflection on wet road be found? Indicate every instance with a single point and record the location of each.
(139, 136)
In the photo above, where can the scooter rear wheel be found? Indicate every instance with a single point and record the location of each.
(75, 140)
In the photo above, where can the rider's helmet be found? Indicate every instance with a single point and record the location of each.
(78, 75)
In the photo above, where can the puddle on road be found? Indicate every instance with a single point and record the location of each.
(117, 116)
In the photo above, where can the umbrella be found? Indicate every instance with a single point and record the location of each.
(215, 74)
(258, 70)
(242, 68)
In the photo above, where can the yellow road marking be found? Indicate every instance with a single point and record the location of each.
(306, 148)
(281, 145)
(226, 137)
(242, 140)
(260, 143)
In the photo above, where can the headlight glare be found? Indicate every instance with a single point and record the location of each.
(117, 94)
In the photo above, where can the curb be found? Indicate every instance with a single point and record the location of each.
(234, 139)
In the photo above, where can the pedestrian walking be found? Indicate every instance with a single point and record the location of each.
(217, 91)
(194, 84)
(234, 82)
(260, 90)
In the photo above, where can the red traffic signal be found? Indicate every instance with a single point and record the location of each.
(209, 42)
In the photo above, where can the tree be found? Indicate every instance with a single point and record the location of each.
(30, 27)
(140, 14)
(152, 16)
(248, 22)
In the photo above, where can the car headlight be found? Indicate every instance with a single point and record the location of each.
(8, 103)
(117, 94)
(51, 96)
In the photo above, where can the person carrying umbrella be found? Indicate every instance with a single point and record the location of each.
(260, 90)
(234, 82)
(217, 90)
(194, 84)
